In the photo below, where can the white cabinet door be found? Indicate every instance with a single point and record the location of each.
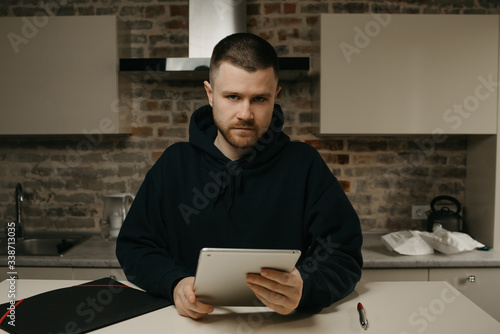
(394, 275)
(408, 74)
(478, 284)
(59, 75)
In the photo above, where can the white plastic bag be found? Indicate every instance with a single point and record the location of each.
(407, 243)
(448, 242)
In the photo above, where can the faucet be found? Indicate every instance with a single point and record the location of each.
(19, 199)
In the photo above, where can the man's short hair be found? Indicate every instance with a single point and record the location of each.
(244, 50)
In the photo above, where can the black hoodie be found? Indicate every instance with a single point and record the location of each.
(280, 195)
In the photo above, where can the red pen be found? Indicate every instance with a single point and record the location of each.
(362, 316)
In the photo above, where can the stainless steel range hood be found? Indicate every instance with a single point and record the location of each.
(209, 22)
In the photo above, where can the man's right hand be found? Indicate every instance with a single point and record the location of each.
(185, 300)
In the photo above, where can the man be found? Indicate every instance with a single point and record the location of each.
(241, 183)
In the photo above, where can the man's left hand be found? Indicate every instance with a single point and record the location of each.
(278, 290)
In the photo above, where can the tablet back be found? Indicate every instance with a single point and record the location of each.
(221, 273)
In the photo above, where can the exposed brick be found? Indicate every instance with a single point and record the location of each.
(253, 9)
(451, 172)
(304, 130)
(388, 9)
(315, 8)
(177, 24)
(138, 38)
(252, 23)
(283, 35)
(142, 131)
(86, 10)
(156, 155)
(346, 185)
(157, 119)
(180, 118)
(154, 11)
(289, 8)
(172, 132)
(62, 182)
(272, 8)
(306, 49)
(153, 39)
(77, 210)
(137, 52)
(288, 21)
(158, 94)
(351, 7)
(312, 20)
(149, 105)
(182, 10)
(331, 145)
(363, 159)
(364, 146)
(169, 52)
(131, 11)
(140, 25)
(100, 11)
(332, 158)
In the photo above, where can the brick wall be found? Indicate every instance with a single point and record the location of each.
(64, 180)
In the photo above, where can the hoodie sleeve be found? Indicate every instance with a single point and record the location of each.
(332, 264)
(141, 248)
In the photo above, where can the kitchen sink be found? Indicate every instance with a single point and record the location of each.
(43, 245)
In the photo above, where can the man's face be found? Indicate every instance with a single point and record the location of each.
(242, 104)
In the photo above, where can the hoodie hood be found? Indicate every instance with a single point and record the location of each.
(202, 133)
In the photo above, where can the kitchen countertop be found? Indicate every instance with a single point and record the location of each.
(376, 255)
(99, 253)
(93, 252)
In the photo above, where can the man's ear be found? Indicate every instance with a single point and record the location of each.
(208, 89)
(277, 91)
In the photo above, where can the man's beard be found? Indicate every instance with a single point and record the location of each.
(239, 141)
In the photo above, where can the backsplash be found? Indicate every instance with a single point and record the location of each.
(65, 177)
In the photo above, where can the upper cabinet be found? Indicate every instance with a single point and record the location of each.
(60, 75)
(408, 74)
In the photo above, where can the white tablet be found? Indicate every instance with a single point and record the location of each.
(221, 273)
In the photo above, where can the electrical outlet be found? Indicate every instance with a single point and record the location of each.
(419, 212)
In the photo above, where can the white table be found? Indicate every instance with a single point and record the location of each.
(391, 307)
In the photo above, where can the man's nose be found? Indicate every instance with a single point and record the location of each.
(245, 112)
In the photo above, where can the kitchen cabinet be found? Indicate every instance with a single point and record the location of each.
(478, 284)
(38, 273)
(96, 273)
(408, 74)
(64, 273)
(394, 275)
(60, 76)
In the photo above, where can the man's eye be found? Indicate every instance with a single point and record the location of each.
(259, 99)
(232, 97)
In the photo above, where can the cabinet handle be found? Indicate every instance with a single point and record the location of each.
(471, 278)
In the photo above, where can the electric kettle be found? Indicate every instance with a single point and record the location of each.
(115, 210)
(449, 220)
